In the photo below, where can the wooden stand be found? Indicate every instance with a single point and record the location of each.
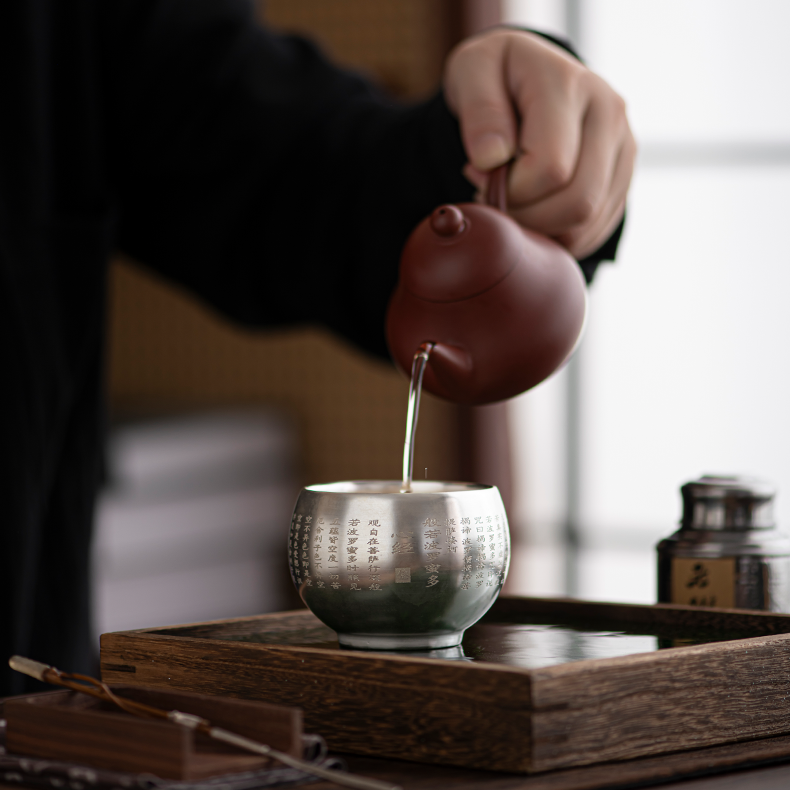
(493, 715)
(65, 725)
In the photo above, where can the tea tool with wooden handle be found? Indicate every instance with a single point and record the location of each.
(96, 688)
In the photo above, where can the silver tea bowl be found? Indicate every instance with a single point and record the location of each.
(399, 571)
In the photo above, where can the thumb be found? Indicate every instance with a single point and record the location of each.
(487, 149)
(478, 96)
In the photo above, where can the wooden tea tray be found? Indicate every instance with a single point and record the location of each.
(498, 713)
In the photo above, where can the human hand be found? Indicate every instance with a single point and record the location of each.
(516, 94)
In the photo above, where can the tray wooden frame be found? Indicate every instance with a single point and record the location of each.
(486, 715)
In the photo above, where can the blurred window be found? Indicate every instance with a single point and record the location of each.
(685, 368)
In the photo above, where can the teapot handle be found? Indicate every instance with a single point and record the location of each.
(496, 194)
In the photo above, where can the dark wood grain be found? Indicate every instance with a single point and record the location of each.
(436, 711)
(281, 627)
(648, 704)
(68, 726)
(275, 725)
(485, 715)
(96, 738)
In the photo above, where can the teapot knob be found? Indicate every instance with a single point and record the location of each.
(447, 221)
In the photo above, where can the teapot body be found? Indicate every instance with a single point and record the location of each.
(504, 306)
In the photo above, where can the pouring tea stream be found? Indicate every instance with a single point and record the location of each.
(413, 412)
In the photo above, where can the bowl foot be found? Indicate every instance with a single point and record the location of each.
(400, 641)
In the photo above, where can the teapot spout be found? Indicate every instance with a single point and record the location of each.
(450, 372)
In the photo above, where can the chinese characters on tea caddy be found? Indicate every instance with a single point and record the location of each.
(335, 553)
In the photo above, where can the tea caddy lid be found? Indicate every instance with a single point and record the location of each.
(715, 502)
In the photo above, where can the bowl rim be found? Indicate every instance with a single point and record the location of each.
(393, 487)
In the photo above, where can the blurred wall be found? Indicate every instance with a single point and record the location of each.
(168, 353)
(683, 368)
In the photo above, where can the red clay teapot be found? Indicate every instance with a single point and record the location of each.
(504, 306)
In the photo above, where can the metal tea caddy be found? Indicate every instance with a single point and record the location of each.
(728, 552)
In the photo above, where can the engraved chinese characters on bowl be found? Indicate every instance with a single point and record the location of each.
(398, 571)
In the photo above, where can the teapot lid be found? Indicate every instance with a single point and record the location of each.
(441, 259)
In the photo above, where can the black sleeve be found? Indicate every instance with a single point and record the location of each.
(275, 186)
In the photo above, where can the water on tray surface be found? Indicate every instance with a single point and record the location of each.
(540, 645)
(526, 645)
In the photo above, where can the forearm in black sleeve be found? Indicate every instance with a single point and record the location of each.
(275, 186)
(272, 184)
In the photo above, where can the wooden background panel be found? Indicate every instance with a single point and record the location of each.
(169, 353)
(400, 43)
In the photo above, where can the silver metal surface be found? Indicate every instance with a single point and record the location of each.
(728, 526)
(399, 571)
(727, 503)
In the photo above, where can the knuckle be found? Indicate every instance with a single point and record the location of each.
(573, 78)
(485, 109)
(583, 209)
(461, 51)
(486, 44)
(556, 173)
(499, 36)
(612, 102)
(620, 111)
